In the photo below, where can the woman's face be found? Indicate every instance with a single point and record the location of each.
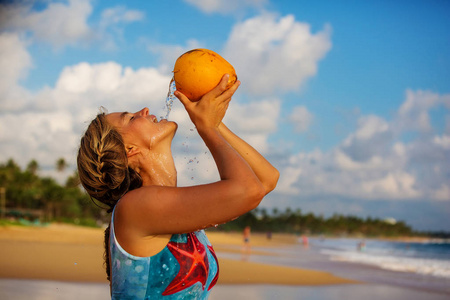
(142, 129)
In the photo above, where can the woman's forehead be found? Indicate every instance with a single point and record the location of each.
(116, 118)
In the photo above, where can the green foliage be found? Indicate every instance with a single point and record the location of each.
(31, 197)
(296, 222)
(10, 222)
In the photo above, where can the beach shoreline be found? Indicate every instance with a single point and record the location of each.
(73, 253)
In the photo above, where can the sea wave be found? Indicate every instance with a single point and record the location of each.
(424, 266)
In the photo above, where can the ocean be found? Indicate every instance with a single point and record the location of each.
(413, 268)
(431, 258)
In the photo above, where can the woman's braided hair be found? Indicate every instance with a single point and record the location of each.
(103, 167)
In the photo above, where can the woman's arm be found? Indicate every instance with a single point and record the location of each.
(156, 210)
(266, 173)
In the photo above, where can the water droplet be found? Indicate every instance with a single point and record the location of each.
(169, 99)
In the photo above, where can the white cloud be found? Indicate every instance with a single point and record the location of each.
(369, 126)
(398, 185)
(372, 138)
(15, 61)
(120, 14)
(288, 179)
(443, 193)
(347, 163)
(110, 84)
(375, 162)
(301, 117)
(414, 112)
(225, 6)
(273, 54)
(59, 24)
(442, 141)
(111, 25)
(47, 136)
(54, 118)
(254, 121)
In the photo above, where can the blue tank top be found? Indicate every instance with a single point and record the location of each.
(187, 268)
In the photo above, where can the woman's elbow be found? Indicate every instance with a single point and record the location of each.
(271, 183)
(255, 194)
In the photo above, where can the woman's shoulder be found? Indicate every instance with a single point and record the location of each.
(143, 192)
(134, 202)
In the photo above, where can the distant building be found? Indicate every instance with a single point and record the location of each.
(391, 221)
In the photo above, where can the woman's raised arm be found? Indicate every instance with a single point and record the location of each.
(266, 173)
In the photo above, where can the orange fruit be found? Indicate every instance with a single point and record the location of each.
(198, 71)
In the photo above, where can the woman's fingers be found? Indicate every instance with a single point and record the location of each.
(220, 88)
(230, 92)
(183, 99)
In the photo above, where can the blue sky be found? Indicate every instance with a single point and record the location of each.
(349, 100)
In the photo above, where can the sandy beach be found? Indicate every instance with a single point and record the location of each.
(71, 253)
(66, 262)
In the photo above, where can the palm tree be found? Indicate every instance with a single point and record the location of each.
(61, 164)
(33, 166)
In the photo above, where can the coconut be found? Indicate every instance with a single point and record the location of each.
(198, 71)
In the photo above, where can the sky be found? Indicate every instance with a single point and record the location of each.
(349, 100)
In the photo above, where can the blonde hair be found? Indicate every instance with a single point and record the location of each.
(103, 164)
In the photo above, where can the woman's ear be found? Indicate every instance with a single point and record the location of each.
(132, 150)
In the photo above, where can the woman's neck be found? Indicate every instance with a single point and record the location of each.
(158, 169)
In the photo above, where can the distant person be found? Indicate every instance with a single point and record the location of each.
(362, 246)
(305, 241)
(155, 248)
(246, 237)
(269, 235)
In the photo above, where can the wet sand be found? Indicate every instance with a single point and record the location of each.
(72, 253)
(19, 289)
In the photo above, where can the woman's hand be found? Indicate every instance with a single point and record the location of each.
(209, 111)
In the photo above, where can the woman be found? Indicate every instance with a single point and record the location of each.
(156, 247)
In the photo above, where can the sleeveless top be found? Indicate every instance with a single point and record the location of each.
(187, 268)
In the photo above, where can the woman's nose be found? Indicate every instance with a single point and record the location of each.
(144, 112)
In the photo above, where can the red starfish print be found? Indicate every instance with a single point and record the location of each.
(214, 281)
(193, 262)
